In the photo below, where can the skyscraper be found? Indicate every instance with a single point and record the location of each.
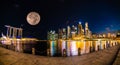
(64, 33)
(52, 35)
(68, 32)
(79, 29)
(60, 33)
(86, 29)
(73, 33)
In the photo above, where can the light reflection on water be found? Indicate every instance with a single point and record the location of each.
(60, 47)
(73, 48)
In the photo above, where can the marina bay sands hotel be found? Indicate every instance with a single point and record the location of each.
(14, 32)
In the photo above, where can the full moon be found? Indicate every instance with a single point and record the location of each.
(33, 18)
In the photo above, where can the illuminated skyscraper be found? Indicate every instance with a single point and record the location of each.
(76, 30)
(86, 29)
(52, 35)
(88, 33)
(68, 32)
(64, 33)
(60, 33)
(73, 28)
(80, 29)
(73, 33)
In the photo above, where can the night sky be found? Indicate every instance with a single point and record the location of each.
(101, 15)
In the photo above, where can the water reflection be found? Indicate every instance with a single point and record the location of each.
(59, 47)
(74, 48)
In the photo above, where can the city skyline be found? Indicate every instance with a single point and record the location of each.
(59, 32)
(102, 16)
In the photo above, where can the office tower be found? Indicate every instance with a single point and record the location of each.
(64, 33)
(52, 35)
(73, 33)
(68, 32)
(60, 33)
(76, 30)
(86, 29)
(80, 29)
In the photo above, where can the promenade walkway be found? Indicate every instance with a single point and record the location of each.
(117, 60)
(102, 57)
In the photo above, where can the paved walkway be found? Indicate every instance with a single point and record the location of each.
(117, 61)
(102, 57)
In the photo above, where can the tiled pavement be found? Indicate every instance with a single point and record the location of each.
(102, 57)
(117, 60)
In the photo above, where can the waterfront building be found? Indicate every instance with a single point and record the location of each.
(52, 35)
(60, 33)
(68, 32)
(64, 36)
(80, 28)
